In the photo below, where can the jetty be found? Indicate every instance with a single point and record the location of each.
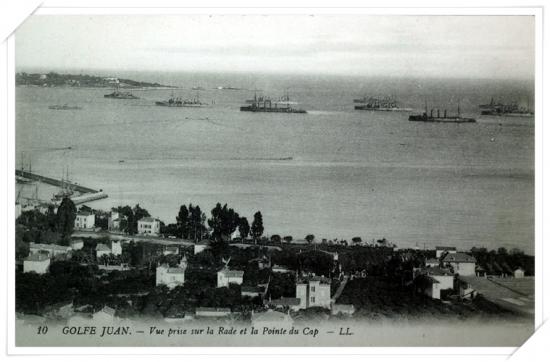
(86, 194)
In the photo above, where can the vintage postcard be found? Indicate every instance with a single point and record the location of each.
(256, 180)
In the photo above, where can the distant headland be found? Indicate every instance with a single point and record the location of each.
(53, 79)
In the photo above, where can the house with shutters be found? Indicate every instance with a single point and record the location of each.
(461, 263)
(313, 291)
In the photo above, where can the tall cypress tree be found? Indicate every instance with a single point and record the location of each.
(66, 214)
(182, 221)
(257, 228)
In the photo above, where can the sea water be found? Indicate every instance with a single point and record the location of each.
(334, 172)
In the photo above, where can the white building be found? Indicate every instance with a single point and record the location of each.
(84, 220)
(102, 249)
(226, 277)
(519, 273)
(113, 223)
(51, 249)
(433, 280)
(199, 247)
(440, 250)
(432, 262)
(462, 264)
(149, 226)
(38, 263)
(77, 244)
(313, 292)
(116, 247)
(171, 250)
(171, 277)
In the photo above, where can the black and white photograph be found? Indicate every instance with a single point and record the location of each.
(274, 180)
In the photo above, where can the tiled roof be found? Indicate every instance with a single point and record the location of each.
(459, 258)
(438, 271)
(102, 247)
(84, 213)
(49, 247)
(232, 273)
(37, 257)
(445, 248)
(147, 219)
(175, 270)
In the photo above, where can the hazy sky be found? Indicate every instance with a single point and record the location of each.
(418, 46)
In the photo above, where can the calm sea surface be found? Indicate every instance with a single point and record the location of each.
(352, 173)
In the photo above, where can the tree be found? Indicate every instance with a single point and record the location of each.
(244, 228)
(51, 218)
(127, 219)
(224, 222)
(275, 238)
(257, 228)
(310, 238)
(182, 221)
(140, 213)
(196, 222)
(66, 214)
(356, 240)
(287, 238)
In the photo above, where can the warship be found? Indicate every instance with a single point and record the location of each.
(117, 94)
(179, 102)
(424, 117)
(386, 104)
(501, 109)
(265, 104)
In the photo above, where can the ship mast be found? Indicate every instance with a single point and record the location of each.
(426, 107)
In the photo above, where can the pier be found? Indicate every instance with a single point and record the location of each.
(86, 194)
(54, 182)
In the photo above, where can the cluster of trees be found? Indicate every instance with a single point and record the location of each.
(503, 261)
(192, 223)
(130, 217)
(34, 293)
(48, 228)
(225, 221)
